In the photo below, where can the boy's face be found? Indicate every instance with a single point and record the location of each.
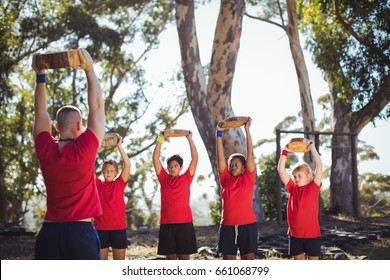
(301, 178)
(236, 167)
(174, 168)
(109, 173)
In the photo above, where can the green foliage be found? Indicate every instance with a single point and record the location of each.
(216, 208)
(286, 123)
(267, 183)
(366, 152)
(216, 211)
(18, 171)
(350, 42)
(325, 201)
(374, 194)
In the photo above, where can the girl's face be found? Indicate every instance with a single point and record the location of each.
(236, 167)
(174, 168)
(109, 173)
(301, 178)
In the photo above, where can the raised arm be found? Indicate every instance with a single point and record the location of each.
(250, 161)
(221, 161)
(156, 154)
(194, 155)
(96, 114)
(282, 166)
(41, 119)
(125, 174)
(318, 163)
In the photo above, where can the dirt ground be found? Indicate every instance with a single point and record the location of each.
(343, 238)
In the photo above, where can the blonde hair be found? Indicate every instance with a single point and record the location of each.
(302, 167)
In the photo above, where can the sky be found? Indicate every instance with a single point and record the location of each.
(264, 87)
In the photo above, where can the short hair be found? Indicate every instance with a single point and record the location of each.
(302, 167)
(65, 116)
(110, 162)
(177, 158)
(239, 156)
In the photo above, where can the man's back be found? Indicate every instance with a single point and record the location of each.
(69, 177)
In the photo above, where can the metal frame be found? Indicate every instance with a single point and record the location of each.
(355, 188)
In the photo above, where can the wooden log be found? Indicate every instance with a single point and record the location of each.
(110, 139)
(58, 60)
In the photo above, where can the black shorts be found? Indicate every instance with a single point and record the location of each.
(309, 246)
(234, 238)
(177, 239)
(116, 239)
(67, 241)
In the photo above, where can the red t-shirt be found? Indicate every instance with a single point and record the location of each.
(236, 196)
(69, 175)
(302, 210)
(113, 203)
(175, 198)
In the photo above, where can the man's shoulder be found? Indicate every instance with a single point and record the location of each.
(43, 138)
(43, 134)
(88, 136)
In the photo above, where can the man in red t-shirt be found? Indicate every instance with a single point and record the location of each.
(111, 226)
(302, 206)
(177, 238)
(238, 229)
(68, 170)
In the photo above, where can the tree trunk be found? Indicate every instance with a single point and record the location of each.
(341, 188)
(300, 67)
(194, 77)
(307, 108)
(212, 103)
(341, 181)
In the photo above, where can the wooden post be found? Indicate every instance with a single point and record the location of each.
(355, 186)
(317, 145)
(278, 181)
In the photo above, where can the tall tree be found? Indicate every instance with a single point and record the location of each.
(275, 12)
(350, 42)
(210, 101)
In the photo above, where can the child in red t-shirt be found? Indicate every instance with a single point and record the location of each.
(111, 226)
(177, 238)
(238, 229)
(302, 206)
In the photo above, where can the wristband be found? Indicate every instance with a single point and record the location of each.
(219, 133)
(41, 78)
(160, 139)
(284, 153)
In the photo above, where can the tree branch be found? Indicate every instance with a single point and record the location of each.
(266, 20)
